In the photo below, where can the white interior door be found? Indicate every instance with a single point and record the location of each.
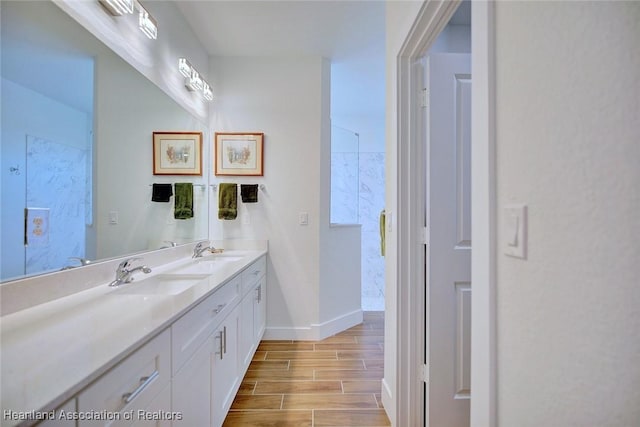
(448, 255)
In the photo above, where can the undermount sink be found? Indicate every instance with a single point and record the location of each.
(207, 264)
(163, 284)
(220, 258)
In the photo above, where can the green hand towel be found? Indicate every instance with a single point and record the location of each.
(183, 208)
(227, 201)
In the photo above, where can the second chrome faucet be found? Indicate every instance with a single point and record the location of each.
(124, 272)
(200, 248)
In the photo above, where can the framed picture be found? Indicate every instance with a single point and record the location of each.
(177, 153)
(239, 154)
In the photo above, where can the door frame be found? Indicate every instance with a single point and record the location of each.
(411, 192)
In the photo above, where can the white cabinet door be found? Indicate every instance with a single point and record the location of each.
(191, 389)
(245, 333)
(225, 377)
(259, 309)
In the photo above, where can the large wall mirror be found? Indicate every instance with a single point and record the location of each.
(76, 149)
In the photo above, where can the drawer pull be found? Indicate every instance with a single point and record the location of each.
(255, 273)
(144, 383)
(219, 308)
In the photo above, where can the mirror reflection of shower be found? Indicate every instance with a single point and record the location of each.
(46, 147)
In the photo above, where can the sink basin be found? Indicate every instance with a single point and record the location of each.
(163, 284)
(206, 265)
(220, 258)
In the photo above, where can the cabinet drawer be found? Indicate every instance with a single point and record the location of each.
(193, 328)
(252, 273)
(129, 386)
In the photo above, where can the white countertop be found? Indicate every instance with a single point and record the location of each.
(51, 351)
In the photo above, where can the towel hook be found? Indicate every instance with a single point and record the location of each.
(15, 169)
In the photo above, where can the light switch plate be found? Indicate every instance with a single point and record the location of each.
(514, 230)
(113, 217)
(303, 218)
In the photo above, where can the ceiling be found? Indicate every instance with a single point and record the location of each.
(351, 33)
(333, 29)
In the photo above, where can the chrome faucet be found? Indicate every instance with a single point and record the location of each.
(200, 248)
(125, 275)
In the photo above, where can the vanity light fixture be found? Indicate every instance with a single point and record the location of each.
(185, 67)
(118, 7)
(147, 23)
(193, 81)
(206, 91)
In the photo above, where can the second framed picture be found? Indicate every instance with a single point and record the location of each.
(239, 154)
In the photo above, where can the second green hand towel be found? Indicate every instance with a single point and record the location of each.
(227, 201)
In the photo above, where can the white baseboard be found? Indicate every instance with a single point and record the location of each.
(388, 402)
(315, 332)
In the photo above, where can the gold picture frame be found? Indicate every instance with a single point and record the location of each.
(177, 153)
(239, 154)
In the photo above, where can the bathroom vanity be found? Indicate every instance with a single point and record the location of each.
(168, 349)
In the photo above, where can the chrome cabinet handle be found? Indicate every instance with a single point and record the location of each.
(225, 340)
(221, 352)
(144, 383)
(259, 292)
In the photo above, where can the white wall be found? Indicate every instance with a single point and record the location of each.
(400, 16)
(567, 97)
(287, 99)
(340, 293)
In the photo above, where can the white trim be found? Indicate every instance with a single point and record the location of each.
(431, 20)
(483, 217)
(317, 331)
(387, 400)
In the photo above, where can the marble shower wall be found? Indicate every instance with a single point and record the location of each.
(371, 202)
(344, 188)
(357, 197)
(57, 180)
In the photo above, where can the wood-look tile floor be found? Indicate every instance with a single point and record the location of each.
(334, 382)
